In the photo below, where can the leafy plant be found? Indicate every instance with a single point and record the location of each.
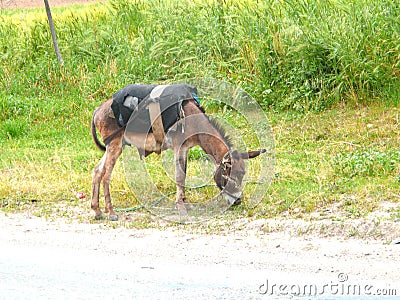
(366, 162)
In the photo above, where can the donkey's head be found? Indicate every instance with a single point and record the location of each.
(230, 172)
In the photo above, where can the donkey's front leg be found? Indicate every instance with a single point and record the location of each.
(180, 176)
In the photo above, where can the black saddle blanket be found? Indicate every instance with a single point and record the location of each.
(130, 105)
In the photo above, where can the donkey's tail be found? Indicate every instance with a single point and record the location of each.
(94, 135)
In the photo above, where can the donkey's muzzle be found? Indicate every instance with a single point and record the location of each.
(233, 199)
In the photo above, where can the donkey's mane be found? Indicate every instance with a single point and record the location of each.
(218, 126)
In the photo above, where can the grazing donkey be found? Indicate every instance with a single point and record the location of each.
(192, 127)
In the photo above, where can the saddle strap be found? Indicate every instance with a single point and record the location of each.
(156, 121)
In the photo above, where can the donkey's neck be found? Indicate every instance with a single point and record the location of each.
(210, 139)
(214, 146)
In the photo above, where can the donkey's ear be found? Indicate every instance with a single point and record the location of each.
(252, 154)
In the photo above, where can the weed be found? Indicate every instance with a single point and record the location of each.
(366, 162)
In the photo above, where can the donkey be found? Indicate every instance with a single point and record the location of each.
(194, 128)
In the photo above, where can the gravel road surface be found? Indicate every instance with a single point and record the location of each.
(54, 259)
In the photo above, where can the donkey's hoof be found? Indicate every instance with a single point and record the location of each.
(188, 206)
(113, 218)
(182, 212)
(181, 209)
(99, 217)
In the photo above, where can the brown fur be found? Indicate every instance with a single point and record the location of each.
(197, 130)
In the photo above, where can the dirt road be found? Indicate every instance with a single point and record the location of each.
(44, 259)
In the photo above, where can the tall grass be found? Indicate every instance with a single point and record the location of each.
(304, 55)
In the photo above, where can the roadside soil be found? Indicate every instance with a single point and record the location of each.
(176, 262)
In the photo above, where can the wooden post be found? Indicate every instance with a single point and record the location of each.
(53, 32)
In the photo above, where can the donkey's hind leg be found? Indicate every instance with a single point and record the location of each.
(98, 173)
(114, 150)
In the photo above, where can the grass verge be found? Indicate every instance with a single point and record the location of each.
(339, 164)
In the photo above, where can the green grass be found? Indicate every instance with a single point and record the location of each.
(341, 153)
(279, 51)
(330, 88)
